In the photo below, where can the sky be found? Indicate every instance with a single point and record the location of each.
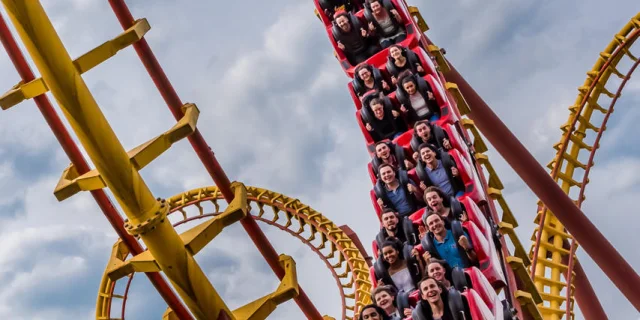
(276, 111)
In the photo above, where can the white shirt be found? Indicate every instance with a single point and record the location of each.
(419, 104)
(403, 281)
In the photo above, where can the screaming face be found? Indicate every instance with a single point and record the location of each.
(382, 151)
(343, 23)
(390, 221)
(423, 131)
(434, 201)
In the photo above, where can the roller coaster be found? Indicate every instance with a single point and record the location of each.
(503, 283)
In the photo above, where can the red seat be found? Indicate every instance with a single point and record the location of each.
(487, 256)
(374, 246)
(378, 60)
(475, 214)
(372, 277)
(447, 116)
(473, 188)
(365, 132)
(374, 202)
(372, 175)
(416, 217)
(356, 101)
(487, 293)
(323, 17)
(414, 176)
(456, 140)
(477, 307)
(426, 62)
(404, 141)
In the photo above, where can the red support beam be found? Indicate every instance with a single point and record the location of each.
(205, 153)
(74, 154)
(536, 177)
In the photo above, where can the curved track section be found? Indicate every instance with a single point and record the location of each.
(553, 250)
(348, 267)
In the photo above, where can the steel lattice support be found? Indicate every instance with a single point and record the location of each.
(570, 173)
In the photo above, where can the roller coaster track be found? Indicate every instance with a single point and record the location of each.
(522, 293)
(553, 248)
(330, 242)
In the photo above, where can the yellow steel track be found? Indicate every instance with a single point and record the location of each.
(329, 241)
(555, 254)
(523, 289)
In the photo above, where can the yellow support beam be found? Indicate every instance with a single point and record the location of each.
(193, 239)
(415, 13)
(517, 265)
(84, 63)
(519, 251)
(169, 315)
(526, 293)
(112, 162)
(110, 48)
(199, 236)
(21, 92)
(479, 145)
(70, 183)
(144, 262)
(263, 307)
(462, 104)
(440, 60)
(525, 299)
